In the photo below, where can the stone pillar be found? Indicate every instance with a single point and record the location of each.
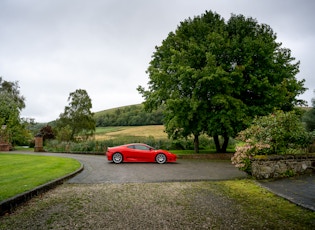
(38, 144)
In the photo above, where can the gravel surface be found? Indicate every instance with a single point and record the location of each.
(185, 205)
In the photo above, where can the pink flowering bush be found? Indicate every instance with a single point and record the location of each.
(245, 152)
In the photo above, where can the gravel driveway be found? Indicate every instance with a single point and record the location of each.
(98, 170)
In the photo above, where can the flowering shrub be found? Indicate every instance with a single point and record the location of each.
(278, 133)
(241, 158)
(245, 152)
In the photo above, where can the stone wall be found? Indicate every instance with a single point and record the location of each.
(266, 167)
(212, 156)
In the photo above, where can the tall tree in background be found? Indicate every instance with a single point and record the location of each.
(214, 77)
(309, 117)
(11, 104)
(12, 89)
(78, 116)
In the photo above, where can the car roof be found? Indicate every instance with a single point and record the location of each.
(135, 144)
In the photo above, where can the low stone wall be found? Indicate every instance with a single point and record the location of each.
(278, 166)
(213, 156)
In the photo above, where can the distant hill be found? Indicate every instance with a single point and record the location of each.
(130, 115)
(112, 110)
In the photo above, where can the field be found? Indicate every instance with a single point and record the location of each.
(107, 133)
(155, 134)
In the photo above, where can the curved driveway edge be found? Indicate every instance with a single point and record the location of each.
(8, 205)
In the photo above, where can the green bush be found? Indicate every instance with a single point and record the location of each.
(92, 146)
(278, 133)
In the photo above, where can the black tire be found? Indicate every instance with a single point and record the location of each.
(160, 158)
(117, 158)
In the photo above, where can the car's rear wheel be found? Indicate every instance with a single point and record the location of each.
(160, 158)
(117, 158)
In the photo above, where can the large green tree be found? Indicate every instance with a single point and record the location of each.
(78, 116)
(12, 89)
(214, 76)
(11, 103)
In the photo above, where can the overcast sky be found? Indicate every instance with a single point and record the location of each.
(53, 47)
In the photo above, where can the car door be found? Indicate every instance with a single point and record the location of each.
(143, 153)
(130, 153)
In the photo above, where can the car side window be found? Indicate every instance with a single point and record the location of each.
(131, 147)
(141, 147)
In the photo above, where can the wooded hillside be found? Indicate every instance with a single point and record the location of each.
(132, 115)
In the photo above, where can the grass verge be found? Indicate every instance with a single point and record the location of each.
(20, 173)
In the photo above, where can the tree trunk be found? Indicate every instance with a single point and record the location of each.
(225, 144)
(217, 143)
(196, 143)
(218, 147)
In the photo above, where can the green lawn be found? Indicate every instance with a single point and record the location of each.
(20, 173)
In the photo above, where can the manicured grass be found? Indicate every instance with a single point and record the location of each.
(24, 148)
(20, 172)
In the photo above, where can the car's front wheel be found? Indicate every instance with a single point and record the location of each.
(117, 158)
(160, 158)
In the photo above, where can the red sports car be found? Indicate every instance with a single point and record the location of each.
(138, 152)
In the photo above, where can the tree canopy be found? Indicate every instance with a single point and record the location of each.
(11, 103)
(214, 76)
(77, 117)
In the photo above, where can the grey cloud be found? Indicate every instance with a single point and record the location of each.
(53, 47)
